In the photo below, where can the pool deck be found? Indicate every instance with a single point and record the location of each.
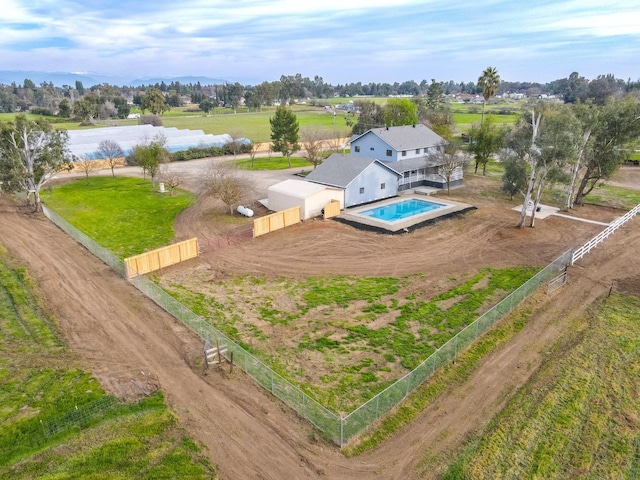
(353, 214)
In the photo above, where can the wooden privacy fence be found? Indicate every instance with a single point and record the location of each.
(161, 257)
(331, 209)
(276, 221)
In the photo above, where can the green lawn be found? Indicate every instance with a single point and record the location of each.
(273, 163)
(125, 215)
(57, 422)
(578, 417)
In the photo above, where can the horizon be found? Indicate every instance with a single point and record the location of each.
(255, 41)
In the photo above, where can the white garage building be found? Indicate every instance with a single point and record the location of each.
(310, 197)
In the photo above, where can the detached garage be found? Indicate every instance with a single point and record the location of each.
(310, 197)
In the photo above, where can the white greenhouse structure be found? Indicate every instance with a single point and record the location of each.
(85, 143)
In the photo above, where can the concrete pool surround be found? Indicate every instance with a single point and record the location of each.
(441, 208)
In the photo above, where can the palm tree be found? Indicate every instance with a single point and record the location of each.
(488, 81)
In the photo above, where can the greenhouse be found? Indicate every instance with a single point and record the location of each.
(86, 143)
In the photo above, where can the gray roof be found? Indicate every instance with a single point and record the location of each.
(340, 170)
(407, 137)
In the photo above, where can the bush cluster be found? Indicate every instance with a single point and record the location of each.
(193, 153)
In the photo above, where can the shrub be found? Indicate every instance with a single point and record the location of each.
(154, 120)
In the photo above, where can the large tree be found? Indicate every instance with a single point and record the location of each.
(488, 82)
(284, 132)
(31, 154)
(154, 101)
(371, 115)
(400, 111)
(617, 123)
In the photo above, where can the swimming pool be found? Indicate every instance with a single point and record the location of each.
(401, 210)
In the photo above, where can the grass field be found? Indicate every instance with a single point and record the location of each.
(579, 416)
(343, 339)
(125, 215)
(255, 125)
(57, 421)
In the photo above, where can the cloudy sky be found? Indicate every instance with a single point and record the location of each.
(340, 40)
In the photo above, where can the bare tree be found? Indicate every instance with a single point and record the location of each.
(171, 178)
(86, 166)
(226, 183)
(110, 151)
(449, 161)
(253, 152)
(312, 143)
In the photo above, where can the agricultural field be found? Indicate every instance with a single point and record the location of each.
(58, 422)
(579, 416)
(255, 125)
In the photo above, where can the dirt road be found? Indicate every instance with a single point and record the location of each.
(121, 336)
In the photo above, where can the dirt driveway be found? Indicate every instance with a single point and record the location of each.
(122, 336)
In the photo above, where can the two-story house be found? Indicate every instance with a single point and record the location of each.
(406, 150)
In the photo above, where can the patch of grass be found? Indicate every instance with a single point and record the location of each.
(611, 196)
(578, 416)
(276, 162)
(329, 324)
(125, 215)
(40, 386)
(466, 363)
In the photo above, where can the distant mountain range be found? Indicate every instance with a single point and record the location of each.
(88, 79)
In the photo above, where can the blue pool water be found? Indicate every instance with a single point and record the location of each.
(401, 210)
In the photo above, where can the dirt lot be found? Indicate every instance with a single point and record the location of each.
(122, 336)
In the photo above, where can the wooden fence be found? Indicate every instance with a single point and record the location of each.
(276, 221)
(161, 257)
(603, 235)
(331, 209)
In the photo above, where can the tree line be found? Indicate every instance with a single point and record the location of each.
(110, 101)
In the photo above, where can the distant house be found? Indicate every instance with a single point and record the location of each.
(407, 151)
(363, 179)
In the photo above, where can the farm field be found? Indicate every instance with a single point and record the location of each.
(579, 416)
(118, 324)
(57, 421)
(256, 127)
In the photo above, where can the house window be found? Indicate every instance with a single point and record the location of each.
(357, 148)
(417, 151)
(389, 153)
(406, 174)
(371, 148)
(382, 186)
(361, 190)
(404, 153)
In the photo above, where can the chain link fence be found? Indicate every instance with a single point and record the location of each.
(338, 429)
(358, 420)
(81, 417)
